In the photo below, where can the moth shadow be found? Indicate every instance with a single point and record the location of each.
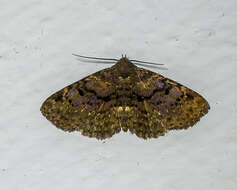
(151, 66)
(93, 61)
(113, 62)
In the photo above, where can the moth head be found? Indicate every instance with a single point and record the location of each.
(124, 62)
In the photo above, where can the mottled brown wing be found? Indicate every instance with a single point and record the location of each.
(168, 105)
(84, 106)
(123, 97)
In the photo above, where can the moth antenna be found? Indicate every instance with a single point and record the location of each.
(151, 63)
(97, 58)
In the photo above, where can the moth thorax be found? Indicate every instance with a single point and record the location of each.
(124, 67)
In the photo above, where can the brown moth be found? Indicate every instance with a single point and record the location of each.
(125, 97)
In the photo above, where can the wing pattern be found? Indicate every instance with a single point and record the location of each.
(124, 97)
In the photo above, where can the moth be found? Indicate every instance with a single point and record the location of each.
(124, 97)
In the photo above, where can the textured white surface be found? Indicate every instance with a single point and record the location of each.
(196, 40)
